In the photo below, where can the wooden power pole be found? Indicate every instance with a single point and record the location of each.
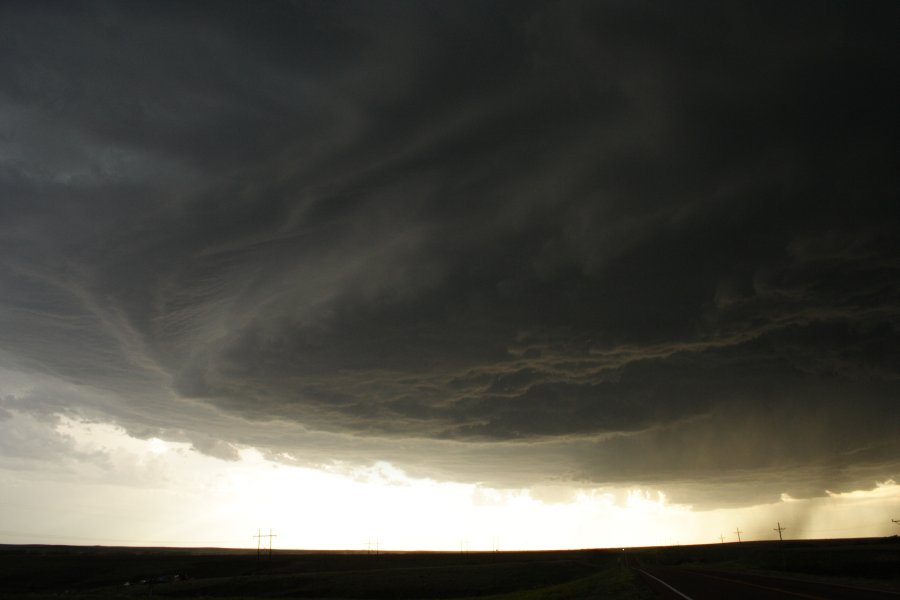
(259, 536)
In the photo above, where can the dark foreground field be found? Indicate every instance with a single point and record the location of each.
(40, 572)
(863, 569)
(43, 572)
(868, 562)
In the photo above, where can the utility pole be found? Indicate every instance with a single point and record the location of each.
(372, 548)
(738, 532)
(779, 529)
(259, 536)
(722, 538)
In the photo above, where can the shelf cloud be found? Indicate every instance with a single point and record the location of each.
(512, 243)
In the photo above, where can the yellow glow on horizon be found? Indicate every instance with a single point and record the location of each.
(158, 492)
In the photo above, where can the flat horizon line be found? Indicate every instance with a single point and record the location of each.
(248, 550)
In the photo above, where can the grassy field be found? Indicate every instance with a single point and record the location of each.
(870, 562)
(42, 572)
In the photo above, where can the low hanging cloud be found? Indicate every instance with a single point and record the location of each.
(511, 243)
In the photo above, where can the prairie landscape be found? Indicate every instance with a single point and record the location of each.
(39, 572)
(603, 294)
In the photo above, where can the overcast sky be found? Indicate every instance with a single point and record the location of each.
(604, 245)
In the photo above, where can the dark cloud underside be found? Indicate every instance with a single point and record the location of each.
(609, 242)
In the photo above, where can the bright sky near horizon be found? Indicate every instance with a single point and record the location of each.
(156, 493)
(543, 274)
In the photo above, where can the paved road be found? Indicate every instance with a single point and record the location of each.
(671, 583)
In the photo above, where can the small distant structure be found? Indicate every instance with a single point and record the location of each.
(779, 529)
(721, 538)
(738, 532)
(259, 536)
(372, 548)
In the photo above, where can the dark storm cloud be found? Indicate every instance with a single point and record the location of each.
(514, 243)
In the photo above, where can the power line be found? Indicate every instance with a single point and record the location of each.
(271, 535)
(373, 548)
(370, 545)
(259, 536)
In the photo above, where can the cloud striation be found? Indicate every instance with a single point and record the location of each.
(599, 243)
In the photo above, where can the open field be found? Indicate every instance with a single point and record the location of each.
(38, 572)
(869, 563)
(43, 572)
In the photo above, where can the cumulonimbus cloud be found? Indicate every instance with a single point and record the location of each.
(498, 243)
